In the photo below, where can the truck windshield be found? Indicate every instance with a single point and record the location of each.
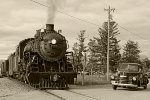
(129, 68)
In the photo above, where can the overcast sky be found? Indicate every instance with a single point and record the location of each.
(19, 19)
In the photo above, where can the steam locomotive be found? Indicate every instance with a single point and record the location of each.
(42, 61)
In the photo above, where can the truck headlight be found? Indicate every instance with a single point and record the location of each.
(134, 78)
(112, 77)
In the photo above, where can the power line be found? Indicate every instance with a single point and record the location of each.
(105, 2)
(66, 14)
(87, 21)
(131, 32)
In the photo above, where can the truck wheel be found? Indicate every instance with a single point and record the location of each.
(147, 81)
(145, 87)
(114, 87)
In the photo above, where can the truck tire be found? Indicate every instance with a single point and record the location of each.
(114, 87)
(145, 87)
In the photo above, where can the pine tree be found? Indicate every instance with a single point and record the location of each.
(101, 46)
(131, 52)
(78, 48)
(93, 55)
(75, 49)
(146, 63)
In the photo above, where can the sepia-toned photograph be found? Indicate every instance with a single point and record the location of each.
(74, 50)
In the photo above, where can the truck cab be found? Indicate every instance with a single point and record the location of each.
(129, 75)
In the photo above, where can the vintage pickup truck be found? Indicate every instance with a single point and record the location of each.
(129, 75)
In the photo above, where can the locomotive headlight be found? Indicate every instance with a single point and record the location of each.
(53, 41)
(134, 78)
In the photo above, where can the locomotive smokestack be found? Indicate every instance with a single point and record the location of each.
(49, 27)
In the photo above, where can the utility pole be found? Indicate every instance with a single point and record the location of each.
(84, 65)
(109, 17)
(83, 60)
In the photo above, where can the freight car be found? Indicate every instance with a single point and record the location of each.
(11, 64)
(3, 71)
(43, 61)
(13, 68)
(4, 68)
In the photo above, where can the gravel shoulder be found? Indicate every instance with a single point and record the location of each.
(9, 87)
(12, 90)
(32, 95)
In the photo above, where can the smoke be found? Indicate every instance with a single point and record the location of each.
(53, 5)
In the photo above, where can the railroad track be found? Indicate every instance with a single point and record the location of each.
(70, 95)
(58, 96)
(85, 95)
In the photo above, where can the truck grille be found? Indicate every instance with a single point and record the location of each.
(123, 80)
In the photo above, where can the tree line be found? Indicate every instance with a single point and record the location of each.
(96, 51)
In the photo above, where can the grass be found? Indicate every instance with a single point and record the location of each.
(92, 80)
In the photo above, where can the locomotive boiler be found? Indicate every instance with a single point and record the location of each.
(43, 61)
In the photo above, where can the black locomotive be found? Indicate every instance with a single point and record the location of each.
(43, 61)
